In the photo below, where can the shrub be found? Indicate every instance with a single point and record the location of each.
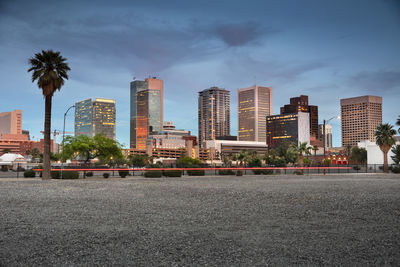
(123, 173)
(265, 172)
(65, 175)
(4, 168)
(153, 174)
(172, 173)
(29, 173)
(106, 175)
(89, 174)
(226, 172)
(396, 169)
(239, 173)
(298, 172)
(196, 172)
(357, 168)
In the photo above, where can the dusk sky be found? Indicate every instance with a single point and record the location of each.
(324, 49)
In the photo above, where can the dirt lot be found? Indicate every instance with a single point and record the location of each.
(216, 221)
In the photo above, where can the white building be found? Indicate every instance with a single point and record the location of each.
(233, 147)
(13, 161)
(374, 153)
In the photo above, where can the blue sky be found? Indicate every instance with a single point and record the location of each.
(325, 49)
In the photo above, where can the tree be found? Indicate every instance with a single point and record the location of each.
(398, 123)
(384, 139)
(86, 148)
(315, 149)
(49, 69)
(301, 148)
(188, 162)
(358, 155)
(6, 150)
(35, 153)
(138, 160)
(396, 152)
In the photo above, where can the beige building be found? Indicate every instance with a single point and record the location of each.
(213, 114)
(11, 122)
(360, 117)
(254, 105)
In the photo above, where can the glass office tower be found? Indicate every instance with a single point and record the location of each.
(146, 110)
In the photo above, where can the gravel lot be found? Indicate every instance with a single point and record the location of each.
(214, 221)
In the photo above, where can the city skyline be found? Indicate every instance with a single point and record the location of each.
(193, 50)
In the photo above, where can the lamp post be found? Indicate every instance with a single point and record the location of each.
(63, 135)
(324, 134)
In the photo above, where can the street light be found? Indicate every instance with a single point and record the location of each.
(62, 155)
(324, 133)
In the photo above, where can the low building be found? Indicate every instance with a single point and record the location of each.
(374, 153)
(225, 147)
(13, 161)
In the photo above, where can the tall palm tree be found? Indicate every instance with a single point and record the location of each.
(315, 149)
(384, 139)
(49, 69)
(398, 123)
(303, 147)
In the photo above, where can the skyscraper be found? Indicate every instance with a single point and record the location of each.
(94, 117)
(300, 104)
(214, 114)
(328, 134)
(146, 110)
(254, 105)
(11, 122)
(360, 116)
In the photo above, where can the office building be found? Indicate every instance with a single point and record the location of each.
(360, 116)
(254, 105)
(95, 117)
(300, 104)
(146, 110)
(288, 128)
(11, 122)
(214, 114)
(328, 134)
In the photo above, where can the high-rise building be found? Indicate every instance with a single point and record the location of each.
(289, 128)
(254, 105)
(11, 122)
(146, 110)
(300, 104)
(94, 117)
(328, 134)
(360, 116)
(214, 114)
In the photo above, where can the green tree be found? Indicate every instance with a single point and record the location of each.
(396, 152)
(188, 162)
(6, 150)
(358, 155)
(35, 153)
(86, 148)
(315, 149)
(49, 69)
(301, 149)
(385, 140)
(398, 123)
(139, 160)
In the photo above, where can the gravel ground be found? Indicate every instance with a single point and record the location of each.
(213, 221)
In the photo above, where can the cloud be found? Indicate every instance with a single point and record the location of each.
(376, 81)
(242, 34)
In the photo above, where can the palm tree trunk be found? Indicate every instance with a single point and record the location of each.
(46, 146)
(385, 162)
(301, 162)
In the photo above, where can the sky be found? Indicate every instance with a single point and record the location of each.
(327, 50)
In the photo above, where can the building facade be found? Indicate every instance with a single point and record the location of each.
(360, 116)
(11, 122)
(254, 105)
(288, 128)
(146, 110)
(327, 135)
(94, 117)
(213, 114)
(300, 104)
